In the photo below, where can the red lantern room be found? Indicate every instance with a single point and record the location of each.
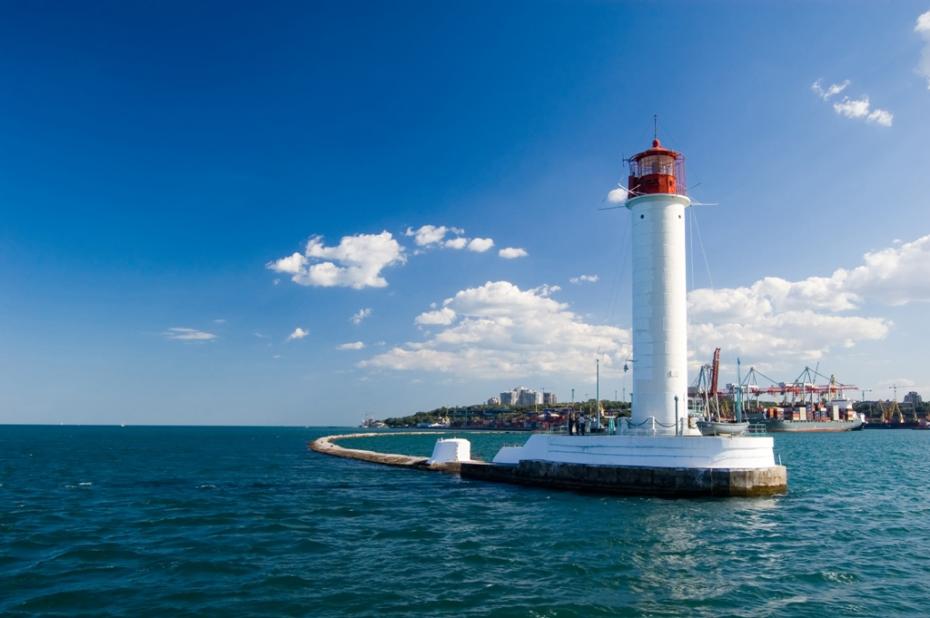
(657, 170)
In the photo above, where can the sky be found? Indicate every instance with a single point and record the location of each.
(306, 213)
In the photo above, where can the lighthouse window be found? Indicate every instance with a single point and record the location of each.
(656, 164)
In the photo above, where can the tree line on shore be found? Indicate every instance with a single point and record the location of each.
(479, 413)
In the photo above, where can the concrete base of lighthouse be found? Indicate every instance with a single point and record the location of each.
(673, 466)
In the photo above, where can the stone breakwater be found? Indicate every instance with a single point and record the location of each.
(327, 446)
(621, 480)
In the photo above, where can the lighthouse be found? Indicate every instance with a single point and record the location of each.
(657, 200)
(657, 451)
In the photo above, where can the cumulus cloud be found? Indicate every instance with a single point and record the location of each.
(862, 108)
(298, 333)
(179, 333)
(511, 253)
(427, 235)
(896, 275)
(439, 317)
(354, 345)
(497, 330)
(359, 316)
(922, 28)
(456, 243)
(856, 108)
(779, 319)
(829, 91)
(441, 236)
(584, 279)
(617, 195)
(480, 245)
(356, 262)
(545, 289)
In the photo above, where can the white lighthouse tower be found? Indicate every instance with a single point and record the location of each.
(657, 202)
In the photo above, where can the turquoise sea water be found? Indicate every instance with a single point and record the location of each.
(144, 521)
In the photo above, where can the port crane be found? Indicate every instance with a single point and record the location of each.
(706, 386)
(803, 389)
(809, 386)
(891, 411)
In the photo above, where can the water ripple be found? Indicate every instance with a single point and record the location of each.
(247, 522)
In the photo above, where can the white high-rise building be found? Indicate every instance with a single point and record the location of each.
(528, 397)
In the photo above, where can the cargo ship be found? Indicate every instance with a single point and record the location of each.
(833, 416)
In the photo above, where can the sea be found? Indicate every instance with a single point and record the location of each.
(223, 521)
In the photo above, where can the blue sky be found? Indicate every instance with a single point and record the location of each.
(158, 160)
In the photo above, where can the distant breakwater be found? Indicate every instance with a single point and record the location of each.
(326, 445)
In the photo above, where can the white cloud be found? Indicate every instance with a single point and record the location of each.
(617, 195)
(439, 317)
(359, 316)
(896, 275)
(922, 28)
(292, 264)
(219, 321)
(776, 319)
(923, 24)
(179, 333)
(856, 108)
(298, 333)
(584, 279)
(432, 236)
(510, 253)
(356, 262)
(354, 345)
(862, 108)
(545, 289)
(497, 330)
(829, 91)
(783, 339)
(427, 235)
(480, 245)
(456, 243)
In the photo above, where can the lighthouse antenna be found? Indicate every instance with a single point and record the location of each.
(655, 126)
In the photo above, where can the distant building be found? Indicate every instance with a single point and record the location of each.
(913, 398)
(523, 397)
(528, 397)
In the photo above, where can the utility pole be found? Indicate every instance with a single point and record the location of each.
(597, 391)
(864, 391)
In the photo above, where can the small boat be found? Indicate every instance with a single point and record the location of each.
(722, 428)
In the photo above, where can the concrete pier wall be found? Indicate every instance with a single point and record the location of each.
(634, 480)
(626, 480)
(327, 446)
